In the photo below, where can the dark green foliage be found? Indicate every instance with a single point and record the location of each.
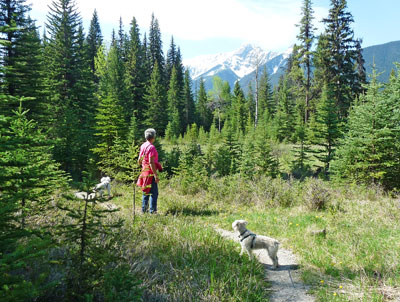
(134, 78)
(370, 149)
(157, 102)
(284, 118)
(155, 48)
(85, 223)
(306, 38)
(325, 128)
(189, 109)
(238, 110)
(203, 107)
(175, 104)
(109, 126)
(336, 57)
(29, 180)
(265, 100)
(94, 39)
(69, 88)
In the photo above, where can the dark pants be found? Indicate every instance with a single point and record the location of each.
(153, 196)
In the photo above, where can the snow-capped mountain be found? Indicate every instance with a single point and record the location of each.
(235, 65)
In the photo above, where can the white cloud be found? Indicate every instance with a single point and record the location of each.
(269, 23)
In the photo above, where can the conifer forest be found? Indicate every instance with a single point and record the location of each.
(316, 148)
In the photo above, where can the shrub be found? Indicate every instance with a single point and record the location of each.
(316, 195)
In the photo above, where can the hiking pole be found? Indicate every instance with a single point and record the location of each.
(134, 201)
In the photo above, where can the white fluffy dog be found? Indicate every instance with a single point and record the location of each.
(104, 184)
(250, 241)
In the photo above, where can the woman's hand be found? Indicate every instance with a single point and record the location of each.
(156, 179)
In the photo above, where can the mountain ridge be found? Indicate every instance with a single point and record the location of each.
(239, 65)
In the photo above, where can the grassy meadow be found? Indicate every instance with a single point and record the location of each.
(179, 257)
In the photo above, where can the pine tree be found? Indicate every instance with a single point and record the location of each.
(265, 95)
(238, 112)
(29, 178)
(134, 78)
(94, 39)
(21, 54)
(284, 118)
(370, 149)
(171, 59)
(265, 163)
(325, 128)
(115, 78)
(337, 56)
(188, 101)
(306, 38)
(84, 228)
(109, 125)
(175, 101)
(157, 102)
(203, 107)
(156, 54)
(65, 78)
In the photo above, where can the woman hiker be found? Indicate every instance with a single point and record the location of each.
(148, 179)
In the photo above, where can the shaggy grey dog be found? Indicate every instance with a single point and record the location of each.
(250, 241)
(103, 185)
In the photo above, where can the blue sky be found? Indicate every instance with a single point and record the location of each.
(213, 26)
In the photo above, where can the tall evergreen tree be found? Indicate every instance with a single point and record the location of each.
(64, 74)
(370, 150)
(325, 128)
(306, 38)
(94, 39)
(134, 74)
(265, 101)
(171, 59)
(339, 56)
(175, 101)
(284, 118)
(29, 178)
(157, 102)
(239, 113)
(189, 106)
(155, 46)
(203, 107)
(21, 54)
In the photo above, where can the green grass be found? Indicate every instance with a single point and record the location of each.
(357, 261)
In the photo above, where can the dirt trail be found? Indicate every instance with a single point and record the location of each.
(286, 285)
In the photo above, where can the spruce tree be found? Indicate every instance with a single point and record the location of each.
(188, 102)
(94, 39)
(175, 101)
(21, 55)
(29, 179)
(325, 128)
(66, 80)
(171, 59)
(306, 38)
(337, 56)
(370, 149)
(156, 97)
(109, 125)
(134, 78)
(265, 101)
(284, 118)
(238, 111)
(203, 107)
(156, 55)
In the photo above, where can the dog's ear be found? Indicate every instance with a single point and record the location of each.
(245, 222)
(234, 224)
